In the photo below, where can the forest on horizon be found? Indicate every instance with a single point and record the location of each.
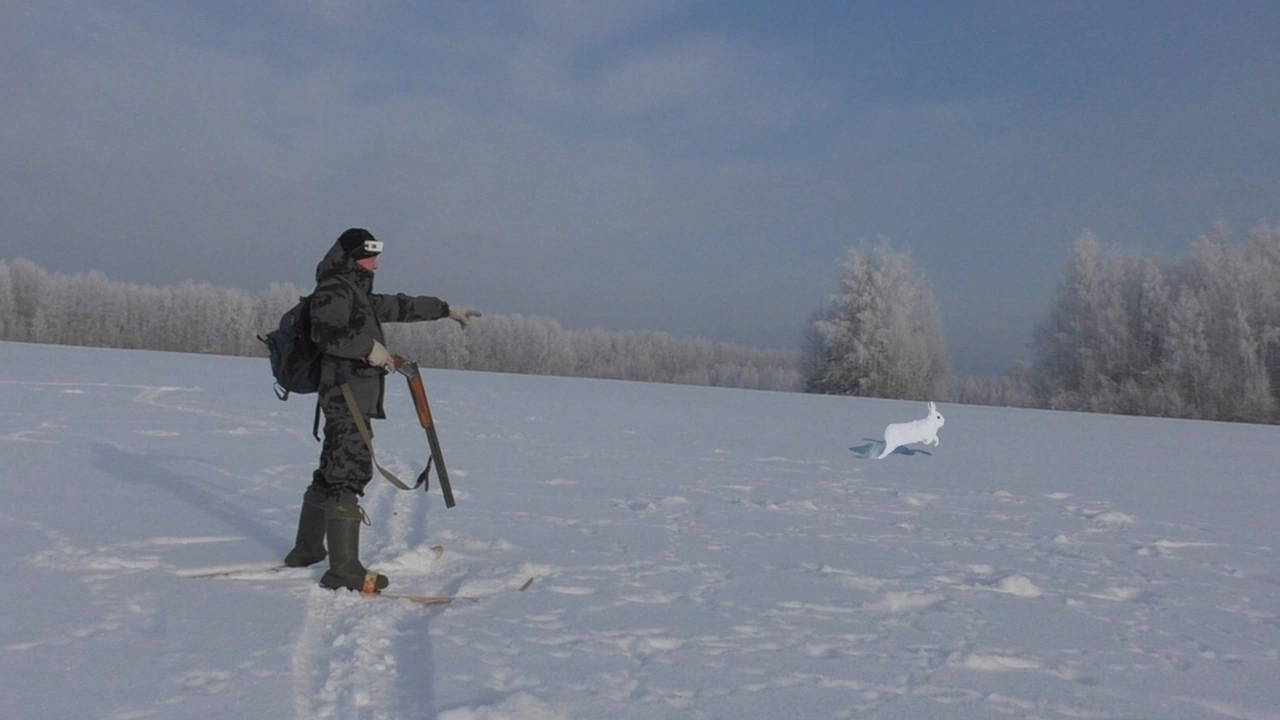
(1192, 337)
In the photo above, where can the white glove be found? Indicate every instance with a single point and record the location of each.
(379, 357)
(462, 315)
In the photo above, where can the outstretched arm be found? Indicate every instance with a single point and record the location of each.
(408, 308)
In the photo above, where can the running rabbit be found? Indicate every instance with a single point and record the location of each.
(922, 431)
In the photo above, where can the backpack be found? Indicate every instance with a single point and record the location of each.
(295, 359)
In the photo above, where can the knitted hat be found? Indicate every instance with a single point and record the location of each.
(359, 243)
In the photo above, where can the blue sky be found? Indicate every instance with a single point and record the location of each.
(696, 167)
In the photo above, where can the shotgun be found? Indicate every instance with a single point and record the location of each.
(409, 369)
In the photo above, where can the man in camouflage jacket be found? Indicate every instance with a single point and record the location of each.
(346, 325)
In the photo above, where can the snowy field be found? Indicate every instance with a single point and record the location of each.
(697, 553)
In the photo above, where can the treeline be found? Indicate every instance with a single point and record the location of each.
(90, 310)
(538, 346)
(1192, 337)
(1196, 337)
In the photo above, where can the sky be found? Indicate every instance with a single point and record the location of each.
(698, 167)
(690, 559)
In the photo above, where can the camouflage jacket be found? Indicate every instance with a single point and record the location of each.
(347, 316)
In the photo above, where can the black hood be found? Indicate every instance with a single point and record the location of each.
(337, 263)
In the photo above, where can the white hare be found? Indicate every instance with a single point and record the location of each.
(924, 431)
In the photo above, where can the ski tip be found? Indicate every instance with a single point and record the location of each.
(418, 599)
(422, 599)
(248, 572)
(526, 584)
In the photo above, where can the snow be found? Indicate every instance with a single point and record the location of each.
(697, 553)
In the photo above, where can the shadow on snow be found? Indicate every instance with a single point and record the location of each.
(147, 470)
(873, 448)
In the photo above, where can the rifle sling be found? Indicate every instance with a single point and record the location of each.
(368, 438)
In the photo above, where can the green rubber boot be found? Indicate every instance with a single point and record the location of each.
(342, 520)
(308, 548)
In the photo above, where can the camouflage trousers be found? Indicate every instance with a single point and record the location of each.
(346, 463)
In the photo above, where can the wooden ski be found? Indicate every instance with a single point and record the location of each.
(436, 599)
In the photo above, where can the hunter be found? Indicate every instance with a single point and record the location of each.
(346, 325)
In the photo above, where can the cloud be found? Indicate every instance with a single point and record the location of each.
(649, 164)
(574, 26)
(673, 78)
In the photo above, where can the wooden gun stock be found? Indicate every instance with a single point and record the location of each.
(419, 395)
(409, 369)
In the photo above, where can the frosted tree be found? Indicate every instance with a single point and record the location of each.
(1199, 338)
(879, 335)
(1103, 339)
(7, 311)
(1189, 366)
(539, 346)
(593, 353)
(89, 312)
(1013, 389)
(1262, 258)
(270, 304)
(1068, 345)
(28, 282)
(1151, 388)
(1230, 291)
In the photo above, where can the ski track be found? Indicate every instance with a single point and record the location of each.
(959, 578)
(344, 661)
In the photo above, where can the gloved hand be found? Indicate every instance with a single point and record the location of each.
(380, 357)
(462, 315)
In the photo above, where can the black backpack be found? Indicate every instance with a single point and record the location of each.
(295, 359)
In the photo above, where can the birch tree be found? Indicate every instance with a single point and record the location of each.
(879, 335)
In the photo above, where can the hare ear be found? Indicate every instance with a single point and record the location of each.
(932, 407)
